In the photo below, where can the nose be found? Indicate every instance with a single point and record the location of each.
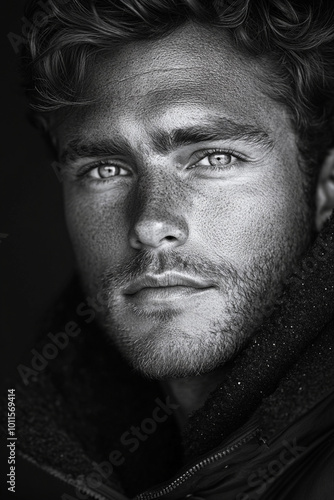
(156, 225)
(160, 234)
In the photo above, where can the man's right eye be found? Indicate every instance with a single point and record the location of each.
(104, 170)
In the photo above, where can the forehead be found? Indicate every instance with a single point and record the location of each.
(181, 78)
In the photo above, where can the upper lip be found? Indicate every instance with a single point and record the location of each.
(165, 280)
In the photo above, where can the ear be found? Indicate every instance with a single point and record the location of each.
(325, 191)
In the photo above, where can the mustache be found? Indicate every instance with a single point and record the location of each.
(147, 262)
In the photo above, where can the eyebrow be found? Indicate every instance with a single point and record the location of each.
(213, 130)
(80, 148)
(221, 129)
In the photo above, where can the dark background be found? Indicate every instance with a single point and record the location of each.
(35, 257)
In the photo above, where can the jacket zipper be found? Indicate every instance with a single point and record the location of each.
(105, 492)
(150, 495)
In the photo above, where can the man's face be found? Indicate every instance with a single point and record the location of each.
(184, 199)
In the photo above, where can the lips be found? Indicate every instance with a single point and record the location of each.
(167, 283)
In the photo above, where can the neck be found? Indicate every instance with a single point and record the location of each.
(191, 393)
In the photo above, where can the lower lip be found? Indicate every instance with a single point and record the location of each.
(164, 294)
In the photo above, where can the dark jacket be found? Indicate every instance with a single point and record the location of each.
(267, 432)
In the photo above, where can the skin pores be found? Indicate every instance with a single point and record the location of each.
(182, 169)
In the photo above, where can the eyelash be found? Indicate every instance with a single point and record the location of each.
(83, 173)
(208, 152)
(199, 155)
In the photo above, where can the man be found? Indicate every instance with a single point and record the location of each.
(194, 143)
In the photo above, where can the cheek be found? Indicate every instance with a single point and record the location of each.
(97, 230)
(257, 215)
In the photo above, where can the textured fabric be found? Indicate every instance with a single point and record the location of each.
(291, 465)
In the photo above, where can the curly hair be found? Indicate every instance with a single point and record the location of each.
(297, 38)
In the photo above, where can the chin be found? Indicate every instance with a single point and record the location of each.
(173, 353)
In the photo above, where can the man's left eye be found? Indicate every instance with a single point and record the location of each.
(217, 160)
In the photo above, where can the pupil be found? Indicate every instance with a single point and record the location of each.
(107, 171)
(219, 159)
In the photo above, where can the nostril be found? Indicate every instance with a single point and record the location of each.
(148, 233)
